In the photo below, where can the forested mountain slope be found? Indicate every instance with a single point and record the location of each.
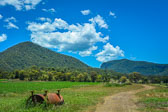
(27, 54)
(128, 66)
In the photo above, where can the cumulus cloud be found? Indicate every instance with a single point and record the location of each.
(10, 23)
(109, 52)
(3, 37)
(52, 10)
(44, 19)
(78, 38)
(47, 26)
(112, 14)
(100, 21)
(1, 16)
(21, 4)
(85, 12)
(88, 52)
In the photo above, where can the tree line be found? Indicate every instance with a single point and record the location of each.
(78, 75)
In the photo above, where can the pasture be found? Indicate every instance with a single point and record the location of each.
(155, 100)
(78, 96)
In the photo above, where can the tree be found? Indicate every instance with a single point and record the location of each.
(50, 76)
(73, 78)
(21, 75)
(87, 78)
(61, 76)
(106, 78)
(44, 77)
(11, 75)
(135, 77)
(99, 78)
(5, 75)
(93, 76)
(16, 72)
(144, 80)
(156, 80)
(123, 79)
(80, 77)
(68, 76)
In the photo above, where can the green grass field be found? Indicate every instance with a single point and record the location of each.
(20, 87)
(155, 100)
(78, 96)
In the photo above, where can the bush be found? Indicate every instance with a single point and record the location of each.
(114, 84)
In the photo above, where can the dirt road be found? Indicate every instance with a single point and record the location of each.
(121, 102)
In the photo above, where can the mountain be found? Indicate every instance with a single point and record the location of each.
(128, 66)
(27, 54)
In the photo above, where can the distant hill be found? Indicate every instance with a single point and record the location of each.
(26, 54)
(128, 66)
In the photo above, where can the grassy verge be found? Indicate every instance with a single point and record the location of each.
(115, 84)
(155, 100)
(78, 96)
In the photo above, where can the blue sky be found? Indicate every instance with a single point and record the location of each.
(93, 31)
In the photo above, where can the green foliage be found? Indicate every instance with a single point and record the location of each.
(27, 54)
(59, 74)
(28, 61)
(128, 66)
(135, 77)
(123, 79)
(93, 76)
(77, 75)
(22, 75)
(99, 78)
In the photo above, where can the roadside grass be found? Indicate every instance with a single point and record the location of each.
(116, 84)
(155, 100)
(78, 96)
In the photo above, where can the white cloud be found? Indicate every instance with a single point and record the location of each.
(1, 16)
(109, 52)
(10, 23)
(44, 19)
(52, 10)
(47, 26)
(112, 14)
(3, 37)
(78, 38)
(85, 12)
(21, 4)
(10, 19)
(100, 21)
(88, 52)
